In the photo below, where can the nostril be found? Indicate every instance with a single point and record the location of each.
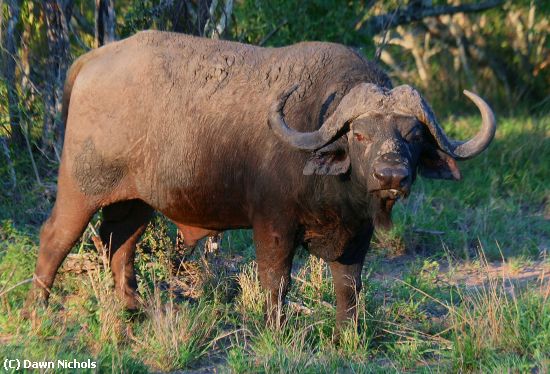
(405, 185)
(392, 177)
(401, 177)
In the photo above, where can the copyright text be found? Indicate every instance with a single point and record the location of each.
(17, 364)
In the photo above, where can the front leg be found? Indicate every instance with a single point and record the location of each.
(275, 246)
(346, 274)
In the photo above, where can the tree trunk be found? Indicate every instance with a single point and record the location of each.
(181, 17)
(105, 22)
(217, 24)
(210, 18)
(28, 89)
(57, 14)
(10, 63)
(186, 16)
(203, 14)
(9, 163)
(1, 17)
(418, 10)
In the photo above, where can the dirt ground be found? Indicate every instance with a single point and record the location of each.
(472, 274)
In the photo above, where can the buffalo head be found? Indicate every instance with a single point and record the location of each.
(382, 137)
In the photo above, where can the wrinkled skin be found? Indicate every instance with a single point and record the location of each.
(179, 125)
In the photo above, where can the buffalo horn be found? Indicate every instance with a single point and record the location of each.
(311, 141)
(408, 100)
(367, 98)
(476, 145)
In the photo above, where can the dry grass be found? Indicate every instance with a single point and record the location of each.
(174, 335)
(251, 300)
(500, 315)
(109, 307)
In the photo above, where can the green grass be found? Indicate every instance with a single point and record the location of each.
(413, 314)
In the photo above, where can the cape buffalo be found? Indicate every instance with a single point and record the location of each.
(307, 145)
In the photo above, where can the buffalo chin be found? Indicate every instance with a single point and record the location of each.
(382, 213)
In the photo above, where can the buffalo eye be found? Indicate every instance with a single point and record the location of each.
(361, 137)
(416, 135)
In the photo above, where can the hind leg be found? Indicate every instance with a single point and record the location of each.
(122, 225)
(70, 215)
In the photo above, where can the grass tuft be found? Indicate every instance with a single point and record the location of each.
(175, 335)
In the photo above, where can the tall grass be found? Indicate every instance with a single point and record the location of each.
(501, 318)
(175, 335)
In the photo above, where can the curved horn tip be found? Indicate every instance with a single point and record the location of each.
(475, 97)
(469, 94)
(476, 145)
(478, 100)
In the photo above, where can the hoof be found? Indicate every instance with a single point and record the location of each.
(133, 310)
(35, 301)
(134, 315)
(276, 319)
(26, 313)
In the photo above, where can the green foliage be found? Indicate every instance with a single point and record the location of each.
(153, 258)
(17, 257)
(286, 22)
(137, 16)
(4, 115)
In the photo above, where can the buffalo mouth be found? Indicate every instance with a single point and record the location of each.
(386, 199)
(392, 194)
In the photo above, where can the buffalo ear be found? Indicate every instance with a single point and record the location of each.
(332, 159)
(437, 164)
